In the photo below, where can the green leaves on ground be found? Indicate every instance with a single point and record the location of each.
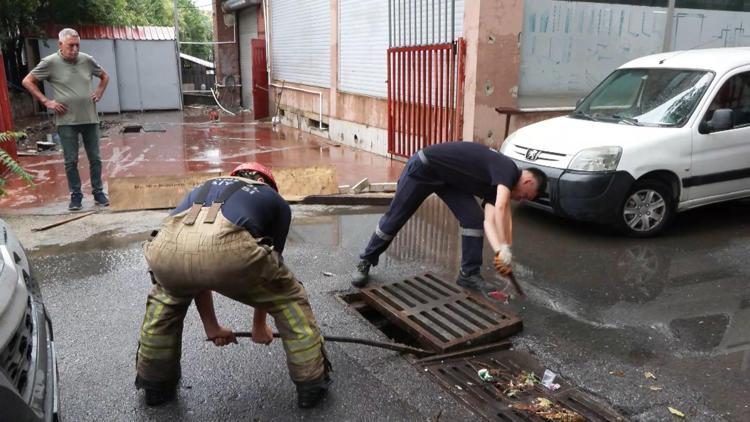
(9, 162)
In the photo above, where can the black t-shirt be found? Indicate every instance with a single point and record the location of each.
(472, 167)
(257, 208)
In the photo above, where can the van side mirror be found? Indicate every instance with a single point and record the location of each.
(723, 119)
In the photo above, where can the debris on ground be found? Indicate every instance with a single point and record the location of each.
(676, 412)
(617, 373)
(499, 296)
(548, 380)
(549, 411)
(522, 382)
(327, 274)
(484, 375)
(649, 375)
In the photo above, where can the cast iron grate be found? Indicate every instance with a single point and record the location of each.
(440, 315)
(459, 376)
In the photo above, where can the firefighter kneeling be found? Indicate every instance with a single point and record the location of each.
(227, 236)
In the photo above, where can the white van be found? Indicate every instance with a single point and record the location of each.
(662, 134)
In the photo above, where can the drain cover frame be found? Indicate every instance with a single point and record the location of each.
(459, 377)
(440, 315)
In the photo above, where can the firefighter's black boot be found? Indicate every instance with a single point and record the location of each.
(310, 393)
(156, 393)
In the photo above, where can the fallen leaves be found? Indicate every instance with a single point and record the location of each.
(549, 411)
(522, 382)
(676, 412)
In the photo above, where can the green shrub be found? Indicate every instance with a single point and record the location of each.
(9, 162)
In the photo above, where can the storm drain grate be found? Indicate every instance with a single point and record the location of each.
(490, 399)
(440, 315)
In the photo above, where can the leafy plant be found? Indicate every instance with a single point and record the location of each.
(9, 162)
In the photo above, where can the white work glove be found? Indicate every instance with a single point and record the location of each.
(503, 259)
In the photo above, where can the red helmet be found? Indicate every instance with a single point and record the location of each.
(259, 168)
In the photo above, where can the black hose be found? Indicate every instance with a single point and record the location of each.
(379, 344)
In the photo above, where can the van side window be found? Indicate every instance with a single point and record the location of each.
(735, 95)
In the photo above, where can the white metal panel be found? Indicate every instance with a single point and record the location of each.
(569, 47)
(157, 72)
(103, 51)
(301, 41)
(127, 69)
(363, 37)
(248, 30)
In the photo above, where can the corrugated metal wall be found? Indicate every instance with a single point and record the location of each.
(363, 37)
(301, 41)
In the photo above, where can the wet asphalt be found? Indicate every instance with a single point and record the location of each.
(602, 311)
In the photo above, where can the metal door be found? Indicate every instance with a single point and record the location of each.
(127, 69)
(260, 79)
(425, 75)
(158, 75)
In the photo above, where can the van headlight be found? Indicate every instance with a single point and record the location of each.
(596, 159)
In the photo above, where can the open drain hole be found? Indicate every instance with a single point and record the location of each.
(392, 331)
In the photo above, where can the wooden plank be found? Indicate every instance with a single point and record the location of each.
(61, 222)
(155, 192)
(163, 192)
(306, 181)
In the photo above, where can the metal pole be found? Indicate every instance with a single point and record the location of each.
(669, 27)
(390, 24)
(453, 21)
(177, 46)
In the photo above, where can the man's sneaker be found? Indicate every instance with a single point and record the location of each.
(101, 199)
(362, 275)
(473, 282)
(75, 202)
(310, 393)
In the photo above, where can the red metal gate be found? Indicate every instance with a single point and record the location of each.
(260, 79)
(425, 96)
(6, 117)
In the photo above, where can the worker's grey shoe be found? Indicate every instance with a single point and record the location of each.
(310, 393)
(473, 282)
(362, 275)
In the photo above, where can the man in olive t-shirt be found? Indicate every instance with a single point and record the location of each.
(69, 72)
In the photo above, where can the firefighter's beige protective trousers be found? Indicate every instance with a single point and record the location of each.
(225, 258)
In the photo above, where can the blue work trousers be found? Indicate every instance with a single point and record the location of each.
(417, 182)
(69, 141)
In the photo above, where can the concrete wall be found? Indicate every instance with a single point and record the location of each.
(227, 55)
(492, 29)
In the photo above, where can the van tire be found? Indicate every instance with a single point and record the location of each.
(647, 209)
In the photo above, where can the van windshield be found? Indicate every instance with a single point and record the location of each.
(646, 97)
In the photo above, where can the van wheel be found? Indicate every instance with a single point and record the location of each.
(647, 210)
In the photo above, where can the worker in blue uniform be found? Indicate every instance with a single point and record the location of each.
(458, 172)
